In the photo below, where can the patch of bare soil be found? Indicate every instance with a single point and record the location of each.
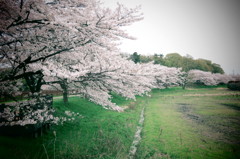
(186, 110)
(226, 131)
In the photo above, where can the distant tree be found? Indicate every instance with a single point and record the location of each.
(145, 59)
(173, 60)
(187, 63)
(217, 68)
(204, 65)
(158, 59)
(135, 57)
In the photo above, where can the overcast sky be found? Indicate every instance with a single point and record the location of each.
(208, 29)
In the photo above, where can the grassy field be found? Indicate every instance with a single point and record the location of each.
(193, 123)
(99, 134)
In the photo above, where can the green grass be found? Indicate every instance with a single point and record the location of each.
(193, 126)
(100, 134)
(193, 123)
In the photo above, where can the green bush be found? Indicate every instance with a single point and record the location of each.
(234, 85)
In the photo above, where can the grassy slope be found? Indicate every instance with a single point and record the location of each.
(100, 134)
(178, 126)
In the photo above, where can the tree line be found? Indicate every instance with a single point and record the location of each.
(187, 62)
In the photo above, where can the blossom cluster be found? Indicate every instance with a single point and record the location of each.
(32, 112)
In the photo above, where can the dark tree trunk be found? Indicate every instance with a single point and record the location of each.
(64, 87)
(65, 96)
(183, 86)
(185, 81)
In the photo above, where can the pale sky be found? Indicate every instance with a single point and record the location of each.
(208, 29)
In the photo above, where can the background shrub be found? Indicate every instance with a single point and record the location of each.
(234, 85)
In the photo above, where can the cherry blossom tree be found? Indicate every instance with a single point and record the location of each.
(72, 45)
(207, 78)
(81, 64)
(168, 76)
(61, 42)
(222, 78)
(33, 33)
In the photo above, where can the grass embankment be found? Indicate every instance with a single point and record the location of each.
(100, 134)
(193, 123)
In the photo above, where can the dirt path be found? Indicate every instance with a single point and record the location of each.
(137, 136)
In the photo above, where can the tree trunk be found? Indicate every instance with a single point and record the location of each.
(64, 87)
(183, 86)
(65, 96)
